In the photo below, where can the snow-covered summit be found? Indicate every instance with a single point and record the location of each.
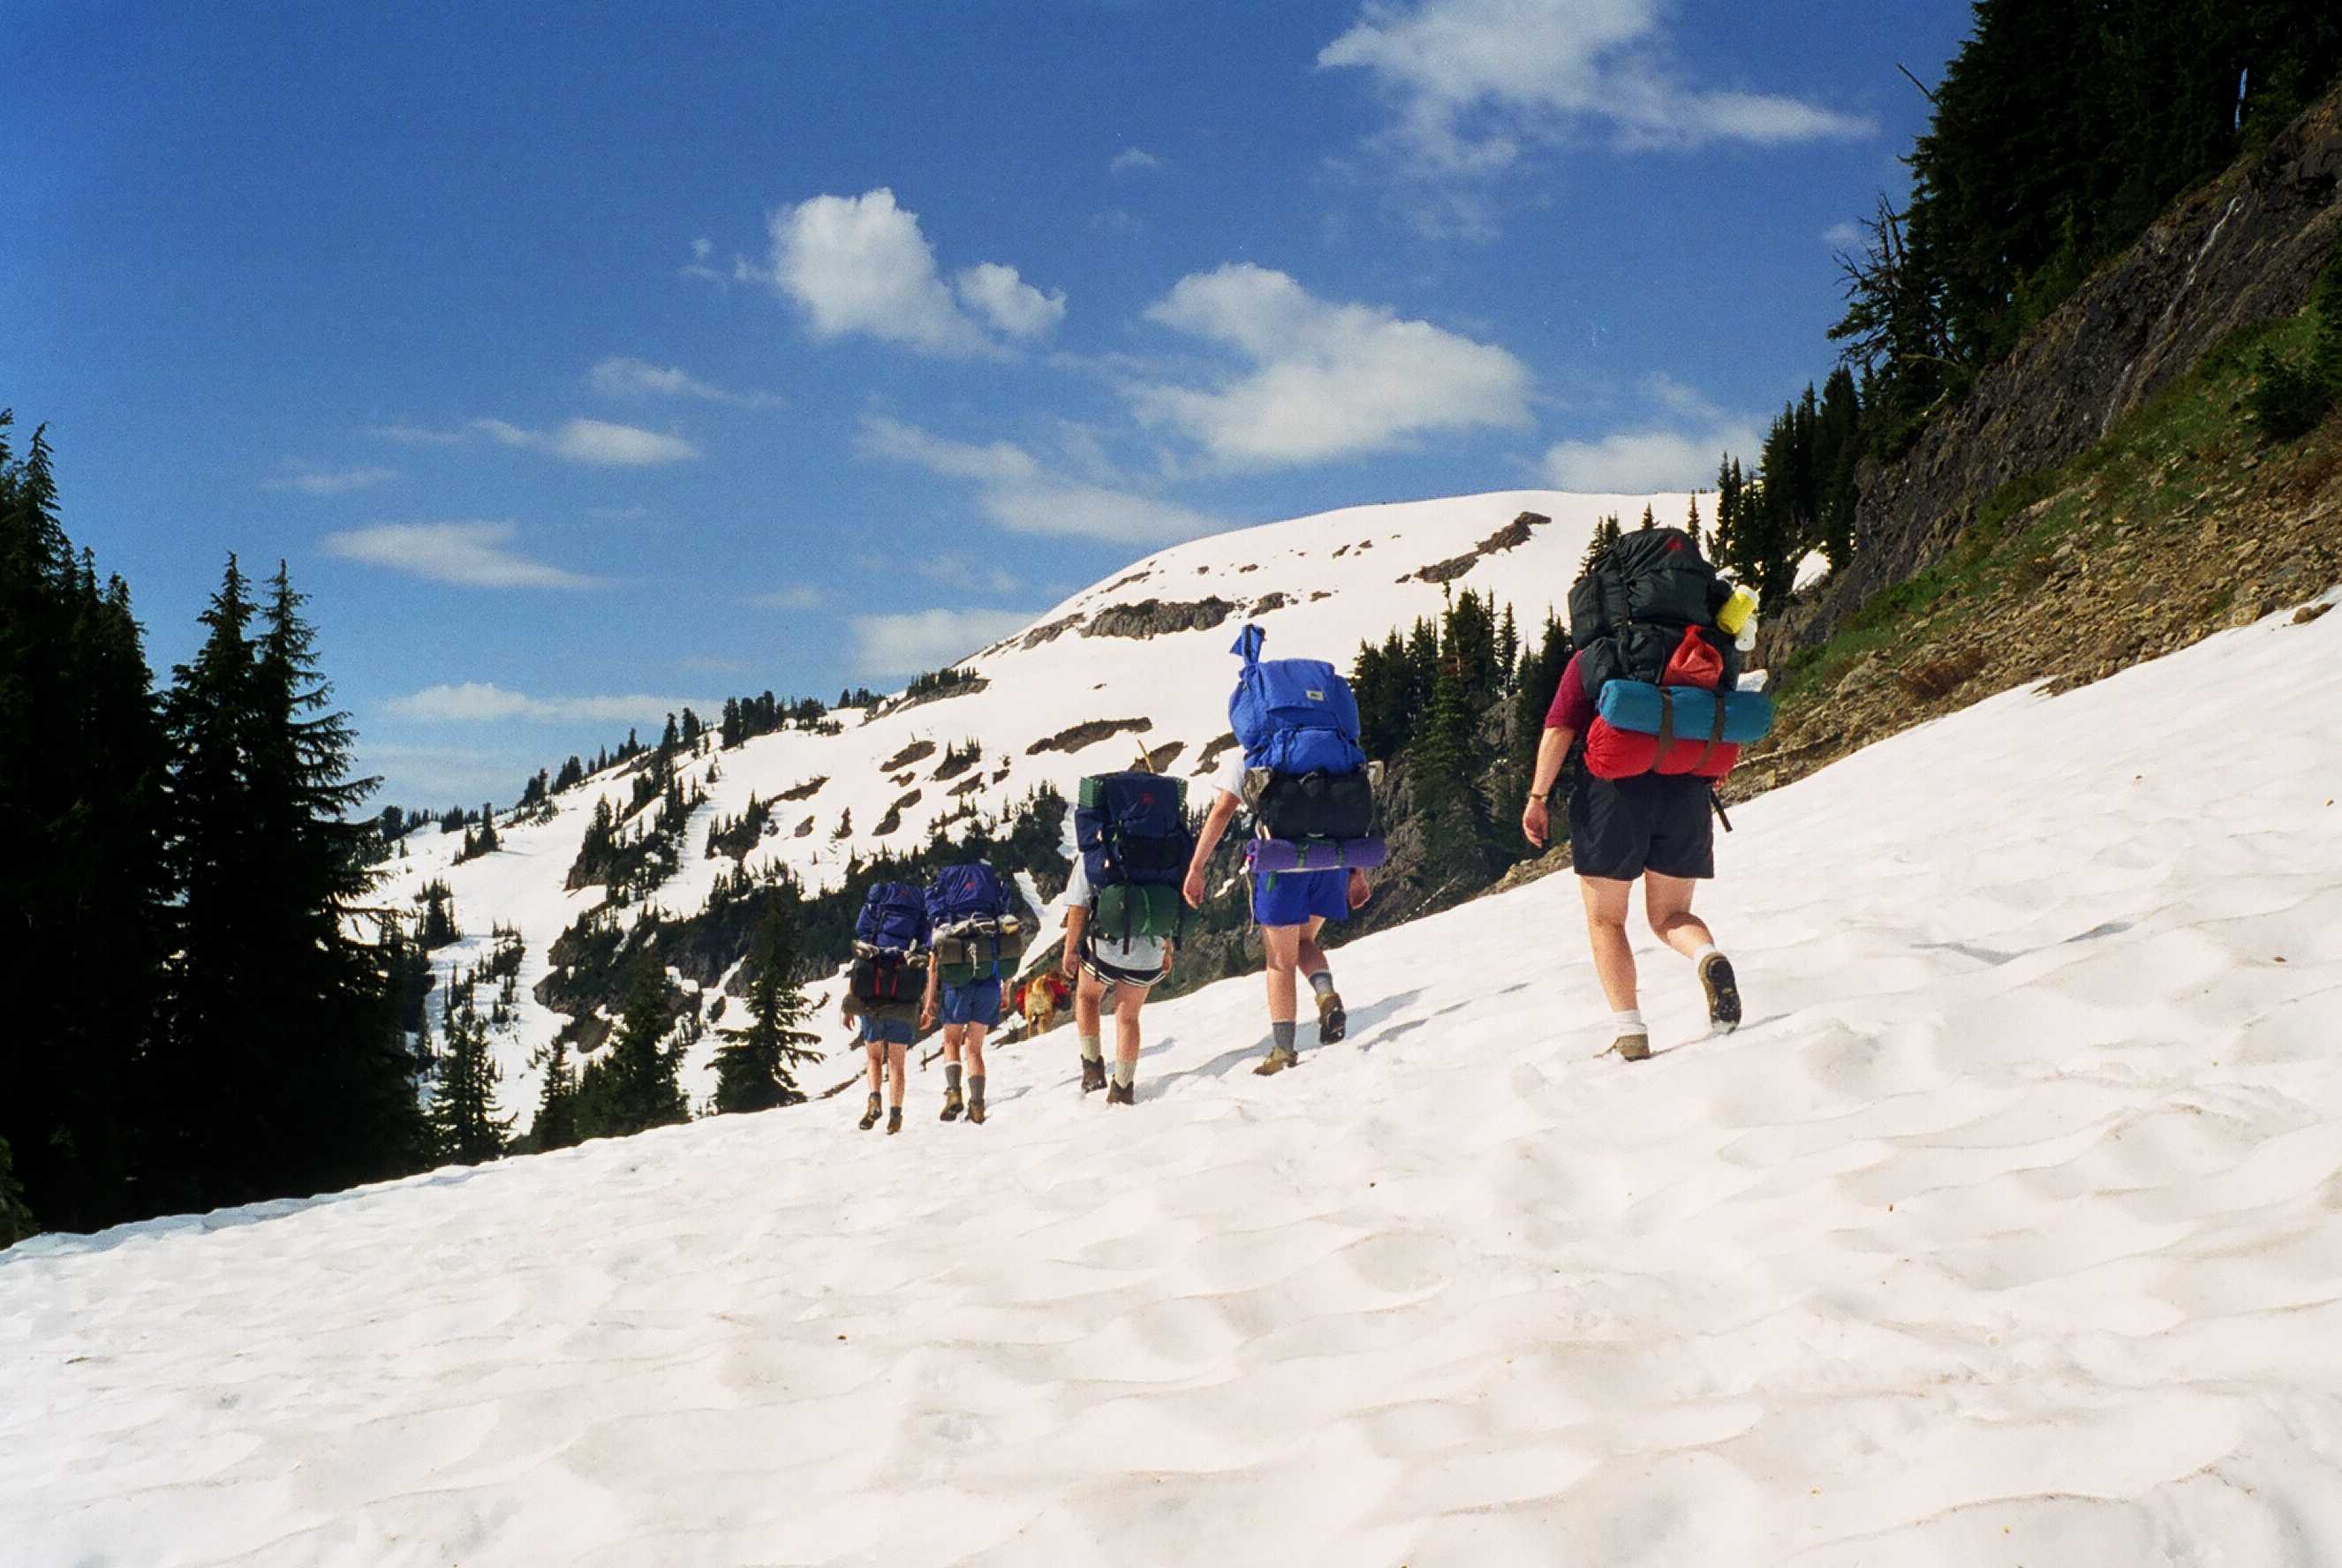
(2002, 1233)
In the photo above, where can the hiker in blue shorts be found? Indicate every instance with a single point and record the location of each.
(1288, 717)
(977, 940)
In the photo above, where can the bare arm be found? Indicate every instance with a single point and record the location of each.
(1553, 747)
(1078, 920)
(1223, 811)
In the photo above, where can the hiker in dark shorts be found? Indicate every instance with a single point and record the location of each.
(1095, 962)
(1652, 826)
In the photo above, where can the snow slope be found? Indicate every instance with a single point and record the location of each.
(2005, 1233)
(1341, 572)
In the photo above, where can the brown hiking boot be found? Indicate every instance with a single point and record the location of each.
(1332, 1021)
(894, 1119)
(953, 1105)
(1093, 1074)
(975, 1100)
(1122, 1093)
(870, 1115)
(1633, 1047)
(1716, 978)
(1279, 1059)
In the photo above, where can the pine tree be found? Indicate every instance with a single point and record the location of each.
(754, 1068)
(637, 1084)
(16, 1221)
(1649, 522)
(556, 1127)
(466, 1123)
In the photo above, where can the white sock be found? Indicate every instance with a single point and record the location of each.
(1629, 1022)
(1093, 1048)
(1708, 950)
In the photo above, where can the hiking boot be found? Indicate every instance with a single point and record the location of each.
(1122, 1093)
(1723, 992)
(1332, 1021)
(953, 1105)
(894, 1119)
(1633, 1047)
(1093, 1074)
(870, 1115)
(976, 1110)
(1279, 1059)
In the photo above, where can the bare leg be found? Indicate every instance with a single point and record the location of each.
(1605, 933)
(1311, 957)
(973, 1041)
(1667, 901)
(893, 1073)
(1088, 996)
(1128, 1001)
(951, 1044)
(877, 1056)
(1283, 945)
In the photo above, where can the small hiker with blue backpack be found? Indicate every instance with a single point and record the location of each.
(977, 939)
(884, 986)
(1654, 687)
(1300, 771)
(1123, 915)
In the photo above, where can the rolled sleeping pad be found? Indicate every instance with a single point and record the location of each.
(1268, 855)
(1634, 706)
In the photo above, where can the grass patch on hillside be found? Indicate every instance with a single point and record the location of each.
(2158, 463)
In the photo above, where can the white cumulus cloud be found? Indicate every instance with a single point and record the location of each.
(860, 264)
(483, 703)
(908, 643)
(1676, 449)
(1471, 81)
(1012, 305)
(1019, 494)
(625, 377)
(1134, 161)
(596, 441)
(1324, 380)
(470, 554)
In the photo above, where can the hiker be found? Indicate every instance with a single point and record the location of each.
(1639, 808)
(1300, 768)
(1123, 918)
(977, 939)
(883, 987)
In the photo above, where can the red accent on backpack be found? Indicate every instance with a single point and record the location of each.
(1616, 753)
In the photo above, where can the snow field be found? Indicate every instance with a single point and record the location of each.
(2005, 1232)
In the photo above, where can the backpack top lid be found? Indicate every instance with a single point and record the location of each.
(973, 890)
(1276, 697)
(1132, 827)
(893, 917)
(1651, 576)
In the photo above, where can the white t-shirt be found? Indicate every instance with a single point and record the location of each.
(1228, 778)
(1140, 955)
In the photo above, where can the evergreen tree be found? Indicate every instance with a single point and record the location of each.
(16, 1221)
(466, 1123)
(755, 1066)
(572, 772)
(1649, 522)
(637, 1084)
(556, 1127)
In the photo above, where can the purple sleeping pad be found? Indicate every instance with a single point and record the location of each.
(1315, 854)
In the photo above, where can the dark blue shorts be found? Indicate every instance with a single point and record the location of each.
(900, 1026)
(976, 1003)
(1621, 828)
(1295, 897)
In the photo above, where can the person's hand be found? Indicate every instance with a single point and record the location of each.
(1065, 966)
(1535, 826)
(1193, 888)
(1360, 888)
(927, 1015)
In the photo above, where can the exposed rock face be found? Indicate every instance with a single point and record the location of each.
(805, 791)
(2244, 249)
(1084, 736)
(1157, 617)
(894, 817)
(1512, 536)
(1268, 601)
(1213, 752)
(1051, 631)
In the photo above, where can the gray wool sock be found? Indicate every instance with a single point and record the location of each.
(976, 1087)
(1282, 1034)
(1322, 982)
(951, 1074)
(1092, 1049)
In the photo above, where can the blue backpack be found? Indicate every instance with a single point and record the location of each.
(964, 894)
(893, 918)
(1131, 830)
(1293, 716)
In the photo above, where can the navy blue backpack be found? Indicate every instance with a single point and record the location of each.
(967, 895)
(1131, 830)
(893, 918)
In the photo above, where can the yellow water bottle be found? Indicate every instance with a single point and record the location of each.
(1738, 610)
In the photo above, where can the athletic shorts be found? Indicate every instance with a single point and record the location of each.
(891, 1025)
(977, 1002)
(1111, 975)
(1621, 828)
(1296, 897)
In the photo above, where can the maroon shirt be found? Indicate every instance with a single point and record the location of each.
(1572, 709)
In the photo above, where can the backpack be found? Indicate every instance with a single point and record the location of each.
(1298, 724)
(1131, 831)
(1646, 611)
(891, 927)
(970, 912)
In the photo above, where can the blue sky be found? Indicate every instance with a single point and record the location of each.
(583, 361)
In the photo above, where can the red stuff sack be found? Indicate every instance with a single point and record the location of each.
(1615, 753)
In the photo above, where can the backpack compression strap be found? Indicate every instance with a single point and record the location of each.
(1666, 727)
(1715, 738)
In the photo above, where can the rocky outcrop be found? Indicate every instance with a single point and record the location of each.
(805, 791)
(1082, 736)
(1049, 632)
(1158, 617)
(1511, 536)
(1268, 601)
(917, 750)
(2244, 249)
